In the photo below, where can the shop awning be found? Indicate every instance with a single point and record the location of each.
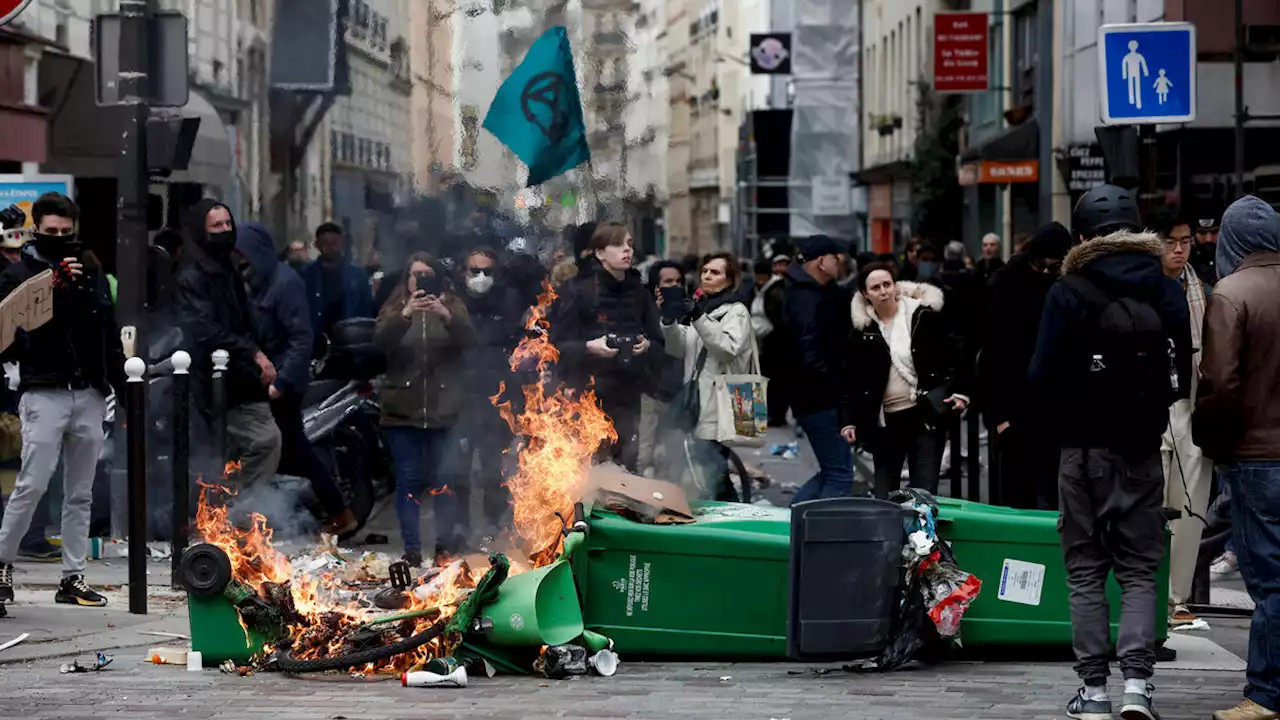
(1013, 145)
(85, 140)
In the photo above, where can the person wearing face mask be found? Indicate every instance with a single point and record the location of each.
(425, 331)
(496, 316)
(68, 366)
(714, 338)
(1025, 472)
(814, 345)
(284, 328)
(606, 327)
(215, 314)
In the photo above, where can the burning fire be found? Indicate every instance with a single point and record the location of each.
(563, 430)
(563, 433)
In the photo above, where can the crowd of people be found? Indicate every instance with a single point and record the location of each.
(1121, 367)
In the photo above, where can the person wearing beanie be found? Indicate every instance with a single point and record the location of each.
(1025, 471)
(1113, 354)
(1237, 423)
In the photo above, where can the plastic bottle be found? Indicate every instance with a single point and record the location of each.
(457, 678)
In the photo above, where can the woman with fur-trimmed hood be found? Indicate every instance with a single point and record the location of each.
(905, 360)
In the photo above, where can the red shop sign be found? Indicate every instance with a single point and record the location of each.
(960, 52)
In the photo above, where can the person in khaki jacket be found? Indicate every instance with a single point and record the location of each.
(425, 331)
(1237, 423)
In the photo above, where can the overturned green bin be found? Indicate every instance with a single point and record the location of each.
(1018, 556)
(713, 588)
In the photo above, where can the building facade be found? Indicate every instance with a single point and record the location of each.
(370, 131)
(477, 74)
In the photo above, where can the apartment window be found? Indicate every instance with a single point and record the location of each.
(1025, 55)
(335, 146)
(470, 132)
(362, 14)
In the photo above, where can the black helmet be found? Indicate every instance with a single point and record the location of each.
(1105, 209)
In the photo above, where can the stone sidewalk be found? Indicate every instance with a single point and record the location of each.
(131, 688)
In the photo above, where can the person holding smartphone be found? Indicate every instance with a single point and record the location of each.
(425, 331)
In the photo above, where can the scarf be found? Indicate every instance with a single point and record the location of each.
(897, 335)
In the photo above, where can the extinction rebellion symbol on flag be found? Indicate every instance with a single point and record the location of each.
(9, 9)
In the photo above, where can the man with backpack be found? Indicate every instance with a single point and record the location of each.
(1113, 353)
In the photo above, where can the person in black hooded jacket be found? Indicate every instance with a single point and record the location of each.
(608, 301)
(1025, 475)
(215, 314)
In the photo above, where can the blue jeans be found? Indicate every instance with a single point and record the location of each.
(424, 460)
(1255, 511)
(835, 458)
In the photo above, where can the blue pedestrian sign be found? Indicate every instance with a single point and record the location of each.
(1147, 73)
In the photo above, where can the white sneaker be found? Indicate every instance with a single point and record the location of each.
(1225, 566)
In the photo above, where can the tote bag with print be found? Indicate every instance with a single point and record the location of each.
(742, 409)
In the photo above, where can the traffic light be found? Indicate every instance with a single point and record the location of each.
(169, 143)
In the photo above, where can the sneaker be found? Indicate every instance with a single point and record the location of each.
(1225, 566)
(41, 551)
(1181, 616)
(74, 591)
(1247, 710)
(413, 558)
(6, 583)
(1081, 708)
(1137, 706)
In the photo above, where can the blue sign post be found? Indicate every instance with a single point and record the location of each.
(1147, 73)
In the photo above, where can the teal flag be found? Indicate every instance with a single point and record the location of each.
(538, 113)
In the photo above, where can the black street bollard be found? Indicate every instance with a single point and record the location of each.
(955, 473)
(219, 430)
(136, 428)
(181, 460)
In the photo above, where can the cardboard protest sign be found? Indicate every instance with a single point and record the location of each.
(28, 307)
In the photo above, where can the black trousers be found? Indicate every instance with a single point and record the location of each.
(622, 405)
(298, 459)
(1027, 473)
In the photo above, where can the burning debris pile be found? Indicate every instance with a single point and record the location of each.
(314, 615)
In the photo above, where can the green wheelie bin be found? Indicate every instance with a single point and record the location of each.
(1018, 556)
(716, 587)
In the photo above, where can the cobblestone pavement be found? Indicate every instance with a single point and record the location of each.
(132, 689)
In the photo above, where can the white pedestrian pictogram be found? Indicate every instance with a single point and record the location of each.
(1162, 86)
(1134, 68)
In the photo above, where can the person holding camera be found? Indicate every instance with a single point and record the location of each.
(606, 328)
(904, 388)
(425, 331)
(68, 366)
(714, 336)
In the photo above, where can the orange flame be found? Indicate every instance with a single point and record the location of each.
(563, 434)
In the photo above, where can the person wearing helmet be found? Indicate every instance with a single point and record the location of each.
(1113, 354)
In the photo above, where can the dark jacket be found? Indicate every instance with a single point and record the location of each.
(1122, 264)
(814, 341)
(424, 386)
(357, 294)
(596, 304)
(966, 304)
(1236, 416)
(1017, 294)
(79, 347)
(498, 320)
(933, 356)
(280, 309)
(215, 313)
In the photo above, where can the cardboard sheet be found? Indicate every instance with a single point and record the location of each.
(28, 307)
(642, 499)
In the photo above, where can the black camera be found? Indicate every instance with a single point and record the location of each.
(625, 345)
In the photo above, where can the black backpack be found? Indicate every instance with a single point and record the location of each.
(1128, 361)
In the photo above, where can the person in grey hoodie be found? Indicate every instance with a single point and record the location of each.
(1237, 423)
(280, 310)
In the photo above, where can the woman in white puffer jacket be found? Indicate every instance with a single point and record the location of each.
(718, 323)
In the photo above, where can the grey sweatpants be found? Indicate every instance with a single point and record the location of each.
(56, 423)
(254, 441)
(1112, 520)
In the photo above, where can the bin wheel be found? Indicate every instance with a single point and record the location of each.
(205, 570)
